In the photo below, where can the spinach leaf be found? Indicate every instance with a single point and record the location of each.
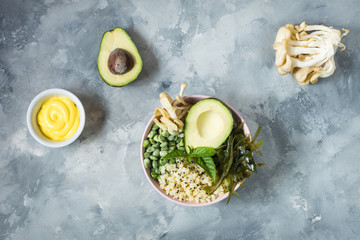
(203, 152)
(194, 152)
(202, 155)
(208, 165)
(175, 154)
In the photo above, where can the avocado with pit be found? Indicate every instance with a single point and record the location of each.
(208, 124)
(119, 61)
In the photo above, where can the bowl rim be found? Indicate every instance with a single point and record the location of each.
(155, 183)
(45, 95)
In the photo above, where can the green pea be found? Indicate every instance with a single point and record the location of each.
(156, 145)
(172, 161)
(151, 134)
(172, 143)
(154, 175)
(155, 164)
(171, 138)
(164, 144)
(172, 148)
(147, 162)
(165, 134)
(152, 141)
(164, 148)
(181, 149)
(156, 153)
(160, 131)
(162, 139)
(181, 142)
(155, 127)
(153, 158)
(146, 143)
(150, 149)
(175, 138)
(163, 162)
(157, 170)
(163, 153)
(146, 154)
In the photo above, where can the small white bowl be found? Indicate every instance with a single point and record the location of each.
(34, 108)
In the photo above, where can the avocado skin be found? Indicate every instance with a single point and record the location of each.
(103, 55)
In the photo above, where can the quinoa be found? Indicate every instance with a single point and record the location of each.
(186, 182)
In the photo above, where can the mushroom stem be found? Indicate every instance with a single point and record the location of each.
(169, 117)
(307, 56)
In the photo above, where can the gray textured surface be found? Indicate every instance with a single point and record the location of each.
(95, 188)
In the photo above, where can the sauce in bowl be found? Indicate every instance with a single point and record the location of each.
(58, 118)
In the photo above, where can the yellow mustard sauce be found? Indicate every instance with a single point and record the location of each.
(58, 118)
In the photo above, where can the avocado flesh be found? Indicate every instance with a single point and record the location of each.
(208, 124)
(112, 40)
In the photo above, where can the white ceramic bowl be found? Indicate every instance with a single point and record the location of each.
(155, 184)
(34, 108)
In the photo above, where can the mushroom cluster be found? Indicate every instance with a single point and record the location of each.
(170, 117)
(307, 51)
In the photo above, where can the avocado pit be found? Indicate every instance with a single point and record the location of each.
(120, 61)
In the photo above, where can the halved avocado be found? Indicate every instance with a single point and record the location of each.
(119, 61)
(208, 124)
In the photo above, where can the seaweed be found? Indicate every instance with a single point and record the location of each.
(234, 160)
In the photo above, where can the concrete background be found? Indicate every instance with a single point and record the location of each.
(95, 188)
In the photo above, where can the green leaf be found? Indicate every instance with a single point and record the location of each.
(231, 188)
(254, 147)
(189, 148)
(203, 152)
(221, 147)
(228, 161)
(175, 154)
(235, 159)
(239, 129)
(242, 141)
(256, 134)
(258, 144)
(207, 163)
